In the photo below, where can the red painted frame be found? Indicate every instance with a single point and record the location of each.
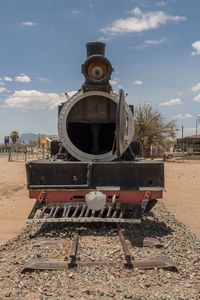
(66, 196)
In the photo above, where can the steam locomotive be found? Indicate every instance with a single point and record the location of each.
(93, 173)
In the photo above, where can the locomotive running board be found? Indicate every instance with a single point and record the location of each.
(71, 261)
(80, 213)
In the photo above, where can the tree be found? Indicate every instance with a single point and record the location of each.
(151, 126)
(14, 136)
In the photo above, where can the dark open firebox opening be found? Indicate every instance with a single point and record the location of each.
(92, 138)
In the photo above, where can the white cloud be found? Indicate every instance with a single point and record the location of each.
(196, 47)
(33, 99)
(2, 83)
(116, 81)
(113, 82)
(3, 89)
(181, 117)
(196, 87)
(149, 43)
(136, 11)
(103, 39)
(6, 78)
(43, 79)
(75, 12)
(172, 102)
(140, 22)
(29, 24)
(22, 78)
(138, 82)
(153, 42)
(197, 98)
(161, 3)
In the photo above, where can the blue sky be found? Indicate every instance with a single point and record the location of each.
(154, 47)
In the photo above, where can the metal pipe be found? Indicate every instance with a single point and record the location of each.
(53, 186)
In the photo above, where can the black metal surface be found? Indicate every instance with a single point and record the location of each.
(79, 212)
(150, 205)
(135, 146)
(58, 174)
(95, 48)
(54, 147)
(34, 210)
(102, 81)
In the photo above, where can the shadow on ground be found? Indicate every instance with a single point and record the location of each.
(148, 228)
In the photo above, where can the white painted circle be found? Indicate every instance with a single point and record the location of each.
(95, 200)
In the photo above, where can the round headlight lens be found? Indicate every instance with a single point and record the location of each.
(97, 70)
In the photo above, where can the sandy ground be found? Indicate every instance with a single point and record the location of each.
(14, 202)
(182, 182)
(182, 196)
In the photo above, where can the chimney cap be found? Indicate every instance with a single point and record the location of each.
(95, 48)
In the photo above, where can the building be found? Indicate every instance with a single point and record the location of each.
(45, 142)
(190, 144)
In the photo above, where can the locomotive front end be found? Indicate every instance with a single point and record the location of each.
(93, 174)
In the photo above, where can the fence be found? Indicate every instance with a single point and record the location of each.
(20, 156)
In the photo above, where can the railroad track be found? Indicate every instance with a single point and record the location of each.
(71, 259)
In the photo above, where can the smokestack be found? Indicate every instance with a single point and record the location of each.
(95, 48)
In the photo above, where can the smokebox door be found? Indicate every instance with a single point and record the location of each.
(121, 124)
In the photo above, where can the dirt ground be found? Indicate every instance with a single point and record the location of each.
(182, 196)
(182, 183)
(14, 202)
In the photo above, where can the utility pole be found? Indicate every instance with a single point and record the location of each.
(196, 125)
(182, 138)
(197, 119)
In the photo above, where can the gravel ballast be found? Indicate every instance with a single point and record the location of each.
(98, 241)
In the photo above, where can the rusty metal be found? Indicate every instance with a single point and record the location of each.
(146, 199)
(127, 255)
(74, 248)
(71, 261)
(59, 264)
(158, 262)
(79, 212)
(45, 264)
(41, 197)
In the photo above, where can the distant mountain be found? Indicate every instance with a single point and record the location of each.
(26, 137)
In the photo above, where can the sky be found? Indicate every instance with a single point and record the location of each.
(153, 45)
